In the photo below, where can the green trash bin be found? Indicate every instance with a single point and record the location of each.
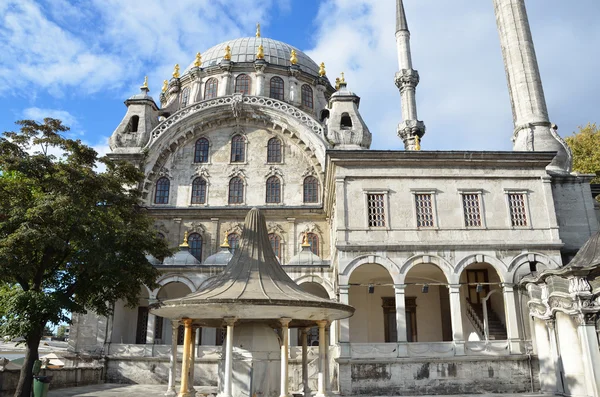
(41, 385)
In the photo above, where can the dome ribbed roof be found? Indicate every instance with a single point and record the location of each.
(245, 49)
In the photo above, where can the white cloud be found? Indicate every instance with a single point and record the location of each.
(40, 114)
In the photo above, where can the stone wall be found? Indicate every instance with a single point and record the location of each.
(436, 376)
(61, 378)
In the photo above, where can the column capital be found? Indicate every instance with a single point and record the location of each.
(399, 288)
(285, 321)
(508, 287)
(174, 324)
(406, 78)
(344, 289)
(304, 331)
(322, 323)
(187, 322)
(454, 288)
(585, 319)
(229, 321)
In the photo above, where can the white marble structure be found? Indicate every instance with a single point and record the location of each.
(429, 247)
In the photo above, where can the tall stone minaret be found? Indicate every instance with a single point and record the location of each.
(533, 130)
(407, 80)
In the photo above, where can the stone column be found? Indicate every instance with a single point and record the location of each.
(284, 355)
(304, 338)
(456, 317)
(223, 88)
(400, 312)
(345, 323)
(553, 353)
(173, 360)
(150, 328)
(512, 319)
(322, 358)
(185, 365)
(192, 362)
(228, 378)
(259, 67)
(590, 351)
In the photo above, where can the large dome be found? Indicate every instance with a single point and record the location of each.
(245, 49)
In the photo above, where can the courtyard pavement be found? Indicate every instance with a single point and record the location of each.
(112, 390)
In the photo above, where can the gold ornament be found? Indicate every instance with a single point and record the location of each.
(343, 79)
(225, 243)
(198, 61)
(176, 71)
(165, 86)
(417, 143)
(322, 69)
(258, 30)
(145, 85)
(185, 240)
(261, 52)
(294, 57)
(305, 242)
(337, 83)
(227, 55)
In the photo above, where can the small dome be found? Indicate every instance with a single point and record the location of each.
(306, 258)
(221, 258)
(181, 258)
(142, 96)
(245, 49)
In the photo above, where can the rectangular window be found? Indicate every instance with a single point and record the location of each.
(472, 209)
(376, 203)
(518, 210)
(424, 207)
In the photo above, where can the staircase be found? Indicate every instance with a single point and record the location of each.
(496, 329)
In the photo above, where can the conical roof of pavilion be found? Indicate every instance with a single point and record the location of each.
(253, 287)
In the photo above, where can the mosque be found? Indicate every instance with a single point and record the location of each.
(461, 265)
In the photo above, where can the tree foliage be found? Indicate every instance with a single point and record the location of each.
(585, 145)
(71, 239)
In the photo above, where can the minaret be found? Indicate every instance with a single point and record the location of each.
(533, 130)
(407, 80)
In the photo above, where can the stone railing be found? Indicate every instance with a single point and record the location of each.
(386, 351)
(61, 378)
(475, 320)
(231, 100)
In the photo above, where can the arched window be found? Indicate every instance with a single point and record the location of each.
(242, 84)
(199, 191)
(195, 243)
(324, 114)
(135, 121)
(273, 190)
(275, 244)
(274, 151)
(311, 190)
(238, 149)
(346, 121)
(276, 88)
(307, 96)
(201, 151)
(210, 88)
(313, 240)
(185, 96)
(236, 191)
(161, 195)
(234, 242)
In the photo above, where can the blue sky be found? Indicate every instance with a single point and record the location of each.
(79, 60)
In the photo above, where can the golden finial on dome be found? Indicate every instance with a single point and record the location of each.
(165, 86)
(198, 61)
(305, 242)
(343, 79)
(225, 243)
(337, 83)
(145, 85)
(260, 54)
(227, 55)
(322, 69)
(417, 143)
(294, 57)
(258, 30)
(176, 74)
(185, 240)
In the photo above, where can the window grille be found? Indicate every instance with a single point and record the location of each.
(311, 190)
(242, 84)
(274, 151)
(424, 206)
(234, 242)
(236, 191)
(210, 89)
(307, 96)
(472, 209)
(185, 95)
(195, 243)
(199, 191)
(275, 244)
(162, 191)
(273, 190)
(238, 149)
(201, 151)
(376, 204)
(277, 88)
(516, 203)
(313, 240)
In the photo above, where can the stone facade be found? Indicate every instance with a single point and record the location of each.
(429, 247)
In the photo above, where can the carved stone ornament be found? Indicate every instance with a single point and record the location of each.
(311, 228)
(562, 303)
(310, 171)
(196, 227)
(164, 172)
(231, 227)
(237, 171)
(583, 319)
(275, 228)
(237, 105)
(273, 171)
(161, 228)
(579, 284)
(201, 170)
(407, 78)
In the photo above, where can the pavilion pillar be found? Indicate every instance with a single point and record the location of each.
(173, 360)
(456, 318)
(192, 362)
(228, 379)
(304, 338)
(185, 365)
(150, 329)
(400, 312)
(322, 358)
(284, 355)
(588, 339)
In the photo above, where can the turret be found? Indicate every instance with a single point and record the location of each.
(410, 130)
(139, 121)
(345, 127)
(533, 131)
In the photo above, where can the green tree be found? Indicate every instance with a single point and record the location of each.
(71, 239)
(585, 145)
(61, 331)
